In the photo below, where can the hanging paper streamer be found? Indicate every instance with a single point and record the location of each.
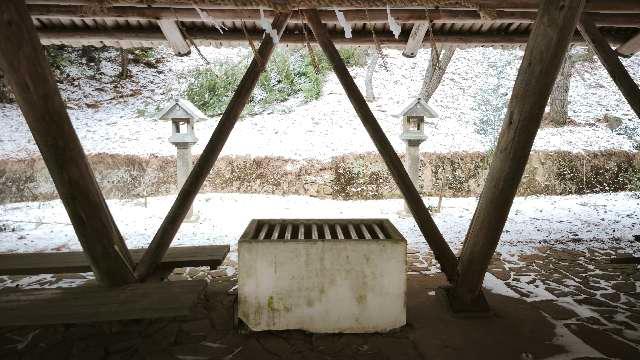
(209, 20)
(266, 25)
(393, 24)
(343, 22)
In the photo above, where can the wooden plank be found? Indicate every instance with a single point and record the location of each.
(153, 37)
(171, 223)
(531, 5)
(378, 232)
(540, 65)
(76, 261)
(339, 232)
(42, 11)
(276, 232)
(352, 231)
(287, 232)
(630, 47)
(27, 71)
(365, 232)
(263, 232)
(174, 36)
(611, 62)
(20, 307)
(327, 232)
(441, 249)
(416, 39)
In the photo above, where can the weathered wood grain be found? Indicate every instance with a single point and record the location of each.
(541, 63)
(77, 262)
(611, 62)
(19, 307)
(434, 238)
(27, 70)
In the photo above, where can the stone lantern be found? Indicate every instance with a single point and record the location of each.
(182, 114)
(414, 119)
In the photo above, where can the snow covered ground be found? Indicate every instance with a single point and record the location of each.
(575, 222)
(329, 126)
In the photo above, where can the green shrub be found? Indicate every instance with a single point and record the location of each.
(59, 57)
(211, 88)
(289, 73)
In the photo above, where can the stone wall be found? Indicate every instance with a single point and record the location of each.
(361, 176)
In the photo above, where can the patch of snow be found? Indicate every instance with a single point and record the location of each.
(326, 127)
(575, 222)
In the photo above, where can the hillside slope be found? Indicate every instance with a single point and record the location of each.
(117, 117)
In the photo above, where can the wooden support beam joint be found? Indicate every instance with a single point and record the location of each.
(416, 38)
(174, 36)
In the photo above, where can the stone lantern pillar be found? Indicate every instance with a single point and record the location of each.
(413, 134)
(182, 114)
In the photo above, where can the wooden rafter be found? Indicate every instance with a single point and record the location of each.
(611, 62)
(327, 16)
(630, 47)
(416, 39)
(26, 68)
(172, 33)
(540, 65)
(532, 5)
(441, 250)
(171, 223)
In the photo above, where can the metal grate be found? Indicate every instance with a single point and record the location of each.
(320, 230)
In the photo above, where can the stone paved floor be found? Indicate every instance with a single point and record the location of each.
(581, 292)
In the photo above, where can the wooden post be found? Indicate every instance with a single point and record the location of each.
(169, 227)
(441, 249)
(546, 49)
(609, 59)
(26, 68)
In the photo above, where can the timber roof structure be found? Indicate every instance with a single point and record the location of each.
(136, 23)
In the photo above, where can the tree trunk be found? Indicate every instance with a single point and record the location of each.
(559, 99)
(435, 71)
(5, 92)
(368, 80)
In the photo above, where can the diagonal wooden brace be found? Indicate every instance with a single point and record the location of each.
(26, 68)
(169, 227)
(609, 59)
(436, 241)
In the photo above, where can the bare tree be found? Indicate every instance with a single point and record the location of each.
(435, 71)
(368, 80)
(559, 98)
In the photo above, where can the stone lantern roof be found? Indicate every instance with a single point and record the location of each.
(419, 107)
(181, 109)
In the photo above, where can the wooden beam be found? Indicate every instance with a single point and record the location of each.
(611, 62)
(76, 261)
(27, 70)
(630, 47)
(328, 16)
(416, 39)
(171, 223)
(174, 36)
(360, 38)
(541, 63)
(441, 250)
(532, 5)
(23, 307)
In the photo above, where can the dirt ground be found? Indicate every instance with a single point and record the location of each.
(562, 299)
